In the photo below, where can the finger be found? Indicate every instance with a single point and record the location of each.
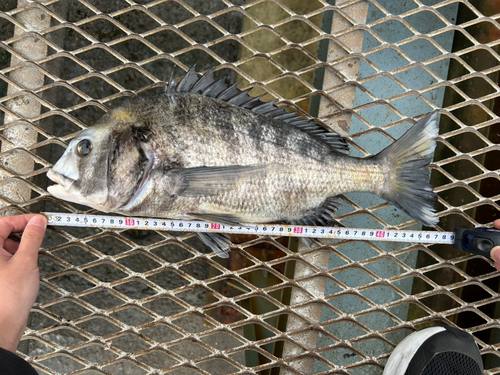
(495, 254)
(9, 224)
(31, 241)
(11, 246)
(496, 223)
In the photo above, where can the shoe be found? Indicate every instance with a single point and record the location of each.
(436, 351)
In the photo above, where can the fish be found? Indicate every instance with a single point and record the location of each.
(205, 150)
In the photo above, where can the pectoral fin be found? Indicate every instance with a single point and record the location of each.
(204, 181)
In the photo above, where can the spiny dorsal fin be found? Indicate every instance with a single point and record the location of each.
(188, 81)
(206, 85)
(205, 81)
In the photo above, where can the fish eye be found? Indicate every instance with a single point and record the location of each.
(84, 147)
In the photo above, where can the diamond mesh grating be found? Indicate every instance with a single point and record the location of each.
(116, 302)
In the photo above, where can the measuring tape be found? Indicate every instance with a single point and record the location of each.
(279, 230)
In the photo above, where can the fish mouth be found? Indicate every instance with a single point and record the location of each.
(60, 179)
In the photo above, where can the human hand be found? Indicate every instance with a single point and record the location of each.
(19, 275)
(495, 252)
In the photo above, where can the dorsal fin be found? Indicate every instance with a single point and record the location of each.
(204, 82)
(188, 81)
(206, 85)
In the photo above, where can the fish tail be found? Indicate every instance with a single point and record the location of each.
(405, 162)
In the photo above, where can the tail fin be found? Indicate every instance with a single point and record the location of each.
(406, 161)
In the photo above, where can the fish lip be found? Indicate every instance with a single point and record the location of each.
(60, 179)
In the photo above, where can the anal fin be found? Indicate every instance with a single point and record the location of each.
(321, 215)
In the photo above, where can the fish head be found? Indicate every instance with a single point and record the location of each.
(105, 165)
(81, 174)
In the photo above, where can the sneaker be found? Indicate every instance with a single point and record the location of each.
(436, 351)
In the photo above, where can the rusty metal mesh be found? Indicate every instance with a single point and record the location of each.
(115, 302)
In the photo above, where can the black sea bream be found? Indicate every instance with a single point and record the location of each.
(206, 150)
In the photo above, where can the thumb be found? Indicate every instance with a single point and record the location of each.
(495, 254)
(31, 240)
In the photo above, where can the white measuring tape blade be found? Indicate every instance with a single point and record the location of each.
(279, 230)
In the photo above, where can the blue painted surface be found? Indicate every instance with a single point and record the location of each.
(414, 78)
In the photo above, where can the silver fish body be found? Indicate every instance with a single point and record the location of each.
(205, 150)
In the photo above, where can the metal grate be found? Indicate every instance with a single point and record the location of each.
(115, 302)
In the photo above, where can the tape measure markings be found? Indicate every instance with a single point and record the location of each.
(279, 230)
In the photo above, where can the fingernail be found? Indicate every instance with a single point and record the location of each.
(39, 221)
(495, 254)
